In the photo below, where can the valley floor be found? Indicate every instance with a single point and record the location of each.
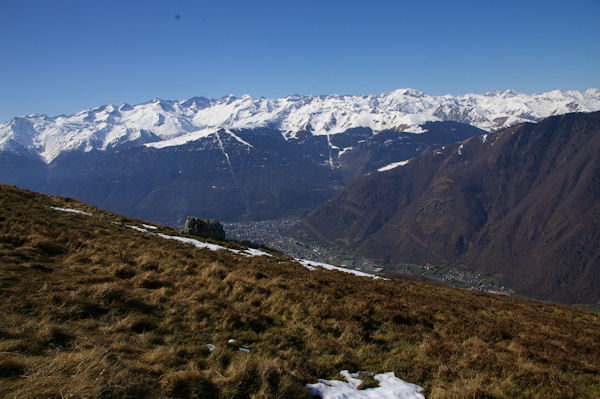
(277, 234)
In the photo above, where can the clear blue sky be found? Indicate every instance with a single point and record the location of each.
(63, 56)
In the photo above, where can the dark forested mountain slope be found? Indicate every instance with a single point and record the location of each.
(245, 174)
(522, 205)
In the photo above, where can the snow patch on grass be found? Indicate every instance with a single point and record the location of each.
(201, 244)
(194, 242)
(71, 210)
(137, 228)
(390, 387)
(312, 265)
(251, 252)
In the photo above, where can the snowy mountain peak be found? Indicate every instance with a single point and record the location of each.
(407, 92)
(160, 123)
(592, 93)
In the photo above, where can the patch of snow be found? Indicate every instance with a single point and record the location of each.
(149, 226)
(71, 210)
(238, 138)
(392, 166)
(231, 341)
(460, 148)
(390, 387)
(201, 244)
(181, 140)
(137, 228)
(210, 347)
(415, 130)
(312, 265)
(253, 252)
(194, 242)
(242, 349)
(484, 138)
(344, 150)
(224, 152)
(329, 146)
(307, 265)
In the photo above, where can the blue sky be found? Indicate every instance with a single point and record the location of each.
(64, 56)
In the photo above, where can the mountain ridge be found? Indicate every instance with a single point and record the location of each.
(162, 123)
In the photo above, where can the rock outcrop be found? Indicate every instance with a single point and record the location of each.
(208, 228)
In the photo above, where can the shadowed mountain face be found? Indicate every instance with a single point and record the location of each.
(522, 205)
(241, 175)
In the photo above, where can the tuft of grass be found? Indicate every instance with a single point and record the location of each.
(56, 337)
(367, 381)
(124, 273)
(11, 367)
(143, 324)
(188, 384)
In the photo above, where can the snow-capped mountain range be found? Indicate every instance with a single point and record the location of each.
(163, 123)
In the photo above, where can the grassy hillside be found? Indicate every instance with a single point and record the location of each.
(92, 308)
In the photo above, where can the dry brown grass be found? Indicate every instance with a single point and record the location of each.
(89, 308)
